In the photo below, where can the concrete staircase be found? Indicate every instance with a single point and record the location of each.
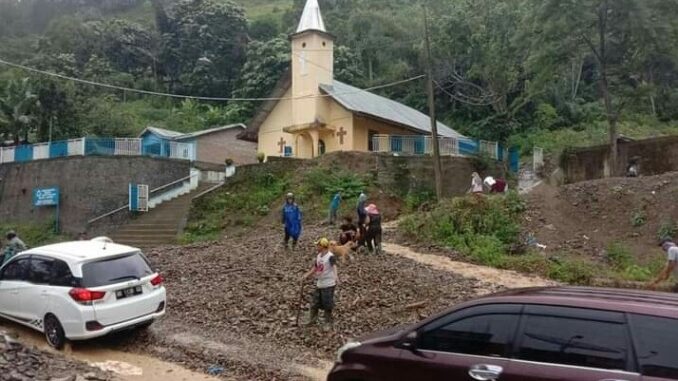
(161, 225)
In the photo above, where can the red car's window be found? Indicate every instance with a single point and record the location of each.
(657, 345)
(484, 335)
(578, 342)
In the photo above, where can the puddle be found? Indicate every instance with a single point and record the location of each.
(126, 366)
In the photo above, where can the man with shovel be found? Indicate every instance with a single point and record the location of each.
(325, 271)
(671, 267)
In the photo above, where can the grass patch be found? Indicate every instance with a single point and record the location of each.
(259, 193)
(482, 228)
(34, 235)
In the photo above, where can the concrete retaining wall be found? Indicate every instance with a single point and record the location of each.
(90, 186)
(655, 156)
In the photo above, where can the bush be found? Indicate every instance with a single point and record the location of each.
(261, 157)
(572, 271)
(479, 227)
(415, 199)
(638, 219)
(619, 256)
(667, 229)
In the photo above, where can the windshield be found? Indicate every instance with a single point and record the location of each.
(115, 270)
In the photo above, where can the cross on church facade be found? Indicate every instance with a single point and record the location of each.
(282, 144)
(341, 133)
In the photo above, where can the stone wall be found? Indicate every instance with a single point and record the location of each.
(90, 187)
(402, 175)
(393, 174)
(655, 156)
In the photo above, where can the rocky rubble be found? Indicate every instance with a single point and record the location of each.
(250, 288)
(20, 363)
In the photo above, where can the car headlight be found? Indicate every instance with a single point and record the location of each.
(348, 346)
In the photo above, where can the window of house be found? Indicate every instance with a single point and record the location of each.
(578, 342)
(657, 345)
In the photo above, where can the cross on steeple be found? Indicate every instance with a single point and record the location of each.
(341, 133)
(282, 144)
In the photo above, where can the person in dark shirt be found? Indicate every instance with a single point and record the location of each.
(373, 234)
(349, 232)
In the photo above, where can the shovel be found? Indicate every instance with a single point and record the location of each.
(301, 302)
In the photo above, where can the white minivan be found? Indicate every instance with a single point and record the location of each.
(81, 290)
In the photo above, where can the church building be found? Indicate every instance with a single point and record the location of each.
(316, 114)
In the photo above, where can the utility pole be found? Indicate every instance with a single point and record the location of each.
(437, 166)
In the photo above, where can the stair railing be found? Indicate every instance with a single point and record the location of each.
(126, 206)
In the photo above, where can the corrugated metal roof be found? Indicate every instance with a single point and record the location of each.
(174, 135)
(210, 131)
(162, 132)
(364, 102)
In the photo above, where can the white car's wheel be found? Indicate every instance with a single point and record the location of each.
(54, 332)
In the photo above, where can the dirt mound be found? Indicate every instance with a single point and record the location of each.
(585, 218)
(246, 292)
(21, 363)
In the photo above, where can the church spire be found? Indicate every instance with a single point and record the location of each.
(311, 19)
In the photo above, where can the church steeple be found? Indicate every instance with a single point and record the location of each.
(311, 19)
(312, 63)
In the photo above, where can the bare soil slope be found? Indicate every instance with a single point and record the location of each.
(585, 218)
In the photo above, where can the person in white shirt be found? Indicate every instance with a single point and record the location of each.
(325, 271)
(669, 246)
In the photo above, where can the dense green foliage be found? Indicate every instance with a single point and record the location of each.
(481, 227)
(551, 73)
(259, 194)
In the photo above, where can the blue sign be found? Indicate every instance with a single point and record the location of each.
(46, 196)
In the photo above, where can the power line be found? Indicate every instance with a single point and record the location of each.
(179, 96)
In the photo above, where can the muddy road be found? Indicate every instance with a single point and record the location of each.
(232, 307)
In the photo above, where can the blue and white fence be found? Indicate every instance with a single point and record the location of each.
(91, 147)
(419, 145)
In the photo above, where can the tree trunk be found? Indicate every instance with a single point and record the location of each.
(576, 78)
(611, 115)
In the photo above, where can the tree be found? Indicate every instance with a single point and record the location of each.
(17, 110)
(205, 46)
(618, 34)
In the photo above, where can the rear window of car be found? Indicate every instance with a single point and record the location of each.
(115, 270)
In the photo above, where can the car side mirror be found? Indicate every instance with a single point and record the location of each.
(409, 342)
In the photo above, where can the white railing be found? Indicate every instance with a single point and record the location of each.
(91, 146)
(127, 147)
(183, 151)
(423, 145)
(76, 147)
(414, 145)
(7, 154)
(40, 151)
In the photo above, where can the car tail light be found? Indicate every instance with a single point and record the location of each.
(157, 281)
(83, 295)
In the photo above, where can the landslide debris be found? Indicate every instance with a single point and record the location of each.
(249, 288)
(21, 363)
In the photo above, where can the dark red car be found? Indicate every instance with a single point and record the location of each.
(546, 334)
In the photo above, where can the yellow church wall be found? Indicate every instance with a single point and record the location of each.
(271, 130)
(312, 65)
(339, 119)
(363, 126)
